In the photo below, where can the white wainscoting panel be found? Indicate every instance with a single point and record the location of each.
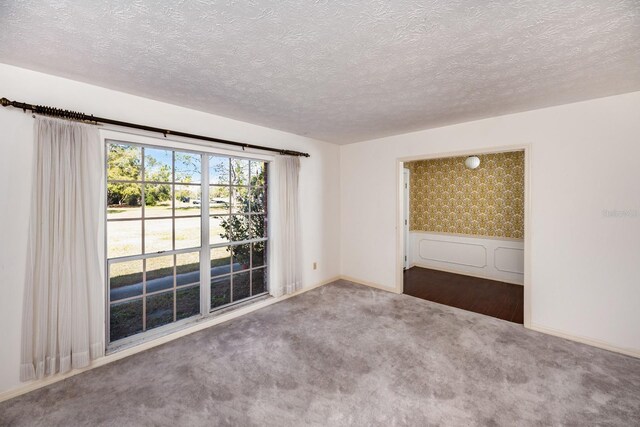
(509, 260)
(491, 258)
(460, 253)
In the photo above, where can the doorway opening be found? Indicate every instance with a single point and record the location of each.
(463, 231)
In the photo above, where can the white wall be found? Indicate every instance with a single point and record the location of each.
(585, 266)
(319, 181)
(488, 257)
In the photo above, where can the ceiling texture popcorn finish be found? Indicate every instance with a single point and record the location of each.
(340, 71)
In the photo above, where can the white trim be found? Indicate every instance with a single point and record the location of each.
(406, 226)
(584, 340)
(204, 324)
(474, 236)
(470, 152)
(399, 288)
(528, 230)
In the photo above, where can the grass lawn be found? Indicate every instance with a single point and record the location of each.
(125, 238)
(126, 317)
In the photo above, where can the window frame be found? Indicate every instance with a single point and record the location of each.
(205, 248)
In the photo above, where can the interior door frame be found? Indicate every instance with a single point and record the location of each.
(406, 175)
(400, 210)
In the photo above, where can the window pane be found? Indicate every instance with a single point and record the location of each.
(157, 200)
(258, 226)
(219, 229)
(240, 200)
(124, 238)
(159, 273)
(125, 280)
(123, 162)
(240, 256)
(220, 291)
(240, 228)
(188, 200)
(219, 200)
(218, 170)
(158, 235)
(124, 201)
(126, 319)
(257, 199)
(241, 288)
(188, 167)
(257, 173)
(159, 309)
(187, 268)
(187, 233)
(158, 209)
(220, 261)
(240, 172)
(157, 165)
(258, 254)
(258, 281)
(187, 302)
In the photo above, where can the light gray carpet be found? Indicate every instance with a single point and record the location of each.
(345, 354)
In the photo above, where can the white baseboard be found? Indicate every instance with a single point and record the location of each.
(370, 284)
(206, 323)
(465, 273)
(589, 341)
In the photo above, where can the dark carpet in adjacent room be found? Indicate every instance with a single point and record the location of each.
(345, 354)
(492, 298)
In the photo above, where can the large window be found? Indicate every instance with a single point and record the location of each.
(165, 241)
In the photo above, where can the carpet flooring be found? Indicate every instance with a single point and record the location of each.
(345, 354)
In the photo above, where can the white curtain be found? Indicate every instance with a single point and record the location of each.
(287, 254)
(62, 324)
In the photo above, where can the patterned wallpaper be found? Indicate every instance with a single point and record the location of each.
(447, 197)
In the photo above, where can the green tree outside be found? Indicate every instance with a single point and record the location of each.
(125, 164)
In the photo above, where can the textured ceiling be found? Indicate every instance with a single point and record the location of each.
(340, 71)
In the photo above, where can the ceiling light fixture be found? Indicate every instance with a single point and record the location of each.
(472, 162)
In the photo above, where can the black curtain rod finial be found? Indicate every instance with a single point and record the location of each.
(76, 115)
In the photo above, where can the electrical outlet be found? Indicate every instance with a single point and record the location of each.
(315, 265)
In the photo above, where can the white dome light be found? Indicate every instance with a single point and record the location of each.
(472, 162)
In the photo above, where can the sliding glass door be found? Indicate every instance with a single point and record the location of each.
(186, 234)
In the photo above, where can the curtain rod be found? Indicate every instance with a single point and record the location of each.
(74, 115)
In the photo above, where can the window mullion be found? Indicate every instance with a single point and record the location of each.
(142, 240)
(205, 255)
(173, 234)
